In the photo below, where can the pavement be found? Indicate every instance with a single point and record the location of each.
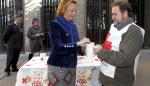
(142, 78)
(9, 81)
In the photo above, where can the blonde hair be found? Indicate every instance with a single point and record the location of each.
(63, 5)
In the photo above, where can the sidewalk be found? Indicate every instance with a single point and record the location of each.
(9, 81)
(143, 72)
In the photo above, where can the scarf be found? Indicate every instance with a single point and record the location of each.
(70, 26)
(122, 24)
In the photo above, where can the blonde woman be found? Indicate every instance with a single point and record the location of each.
(65, 46)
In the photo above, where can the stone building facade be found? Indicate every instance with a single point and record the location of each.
(34, 8)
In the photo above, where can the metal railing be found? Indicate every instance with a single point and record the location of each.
(138, 11)
(8, 8)
(48, 13)
(97, 19)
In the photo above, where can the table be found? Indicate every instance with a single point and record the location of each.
(34, 72)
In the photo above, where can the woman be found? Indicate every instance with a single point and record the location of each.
(35, 36)
(65, 45)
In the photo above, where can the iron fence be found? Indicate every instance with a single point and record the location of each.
(97, 19)
(48, 12)
(138, 11)
(8, 8)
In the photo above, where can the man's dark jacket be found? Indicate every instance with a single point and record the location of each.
(13, 36)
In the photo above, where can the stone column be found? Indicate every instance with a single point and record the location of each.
(147, 24)
(31, 10)
(80, 19)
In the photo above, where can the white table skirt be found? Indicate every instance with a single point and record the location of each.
(34, 72)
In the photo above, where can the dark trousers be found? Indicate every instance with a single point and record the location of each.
(30, 56)
(12, 58)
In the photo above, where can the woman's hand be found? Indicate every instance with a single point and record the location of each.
(83, 41)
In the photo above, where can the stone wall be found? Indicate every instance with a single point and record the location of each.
(31, 10)
(147, 24)
(80, 19)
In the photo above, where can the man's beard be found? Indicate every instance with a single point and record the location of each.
(116, 22)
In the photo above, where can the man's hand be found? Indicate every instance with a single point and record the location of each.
(5, 45)
(38, 34)
(97, 49)
(42, 34)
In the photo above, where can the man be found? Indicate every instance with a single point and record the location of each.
(121, 47)
(13, 38)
